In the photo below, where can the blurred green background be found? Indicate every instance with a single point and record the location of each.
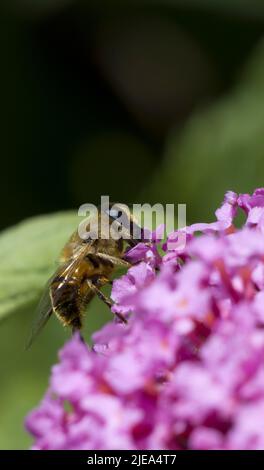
(146, 101)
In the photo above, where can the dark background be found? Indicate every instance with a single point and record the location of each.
(145, 101)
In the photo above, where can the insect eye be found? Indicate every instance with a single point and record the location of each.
(115, 214)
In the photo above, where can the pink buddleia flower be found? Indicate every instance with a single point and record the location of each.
(148, 251)
(137, 277)
(187, 370)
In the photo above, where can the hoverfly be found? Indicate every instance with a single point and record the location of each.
(86, 265)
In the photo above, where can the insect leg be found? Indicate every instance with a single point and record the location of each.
(106, 300)
(100, 281)
(116, 261)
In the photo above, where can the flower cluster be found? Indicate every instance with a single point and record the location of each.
(187, 371)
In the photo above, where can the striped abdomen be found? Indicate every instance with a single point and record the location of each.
(70, 291)
(69, 298)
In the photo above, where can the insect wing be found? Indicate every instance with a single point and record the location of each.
(75, 249)
(44, 311)
(64, 271)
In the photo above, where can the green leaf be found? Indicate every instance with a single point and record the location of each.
(28, 252)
